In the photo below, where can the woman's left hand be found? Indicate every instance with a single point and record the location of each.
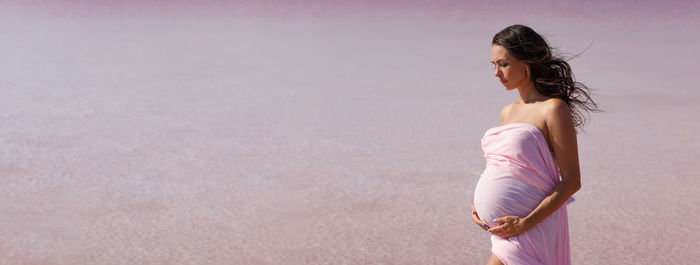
(509, 226)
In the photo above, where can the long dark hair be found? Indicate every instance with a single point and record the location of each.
(550, 74)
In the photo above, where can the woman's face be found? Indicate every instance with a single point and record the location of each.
(509, 71)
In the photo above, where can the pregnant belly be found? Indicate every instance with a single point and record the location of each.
(498, 193)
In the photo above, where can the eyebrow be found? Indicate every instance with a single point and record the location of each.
(498, 60)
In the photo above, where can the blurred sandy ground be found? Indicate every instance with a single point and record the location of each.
(177, 132)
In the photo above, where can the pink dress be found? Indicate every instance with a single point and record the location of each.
(520, 172)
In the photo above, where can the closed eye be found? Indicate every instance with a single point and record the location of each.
(502, 65)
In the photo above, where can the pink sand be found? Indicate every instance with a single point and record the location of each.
(325, 133)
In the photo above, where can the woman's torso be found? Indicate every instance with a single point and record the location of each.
(498, 192)
(519, 172)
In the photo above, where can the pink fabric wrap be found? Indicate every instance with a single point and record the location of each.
(520, 172)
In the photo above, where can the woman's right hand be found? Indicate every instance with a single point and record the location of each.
(476, 219)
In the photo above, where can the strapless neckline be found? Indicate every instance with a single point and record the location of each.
(530, 125)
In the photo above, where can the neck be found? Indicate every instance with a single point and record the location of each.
(528, 93)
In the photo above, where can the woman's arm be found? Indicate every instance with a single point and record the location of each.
(562, 136)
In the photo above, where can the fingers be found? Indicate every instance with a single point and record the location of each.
(474, 211)
(505, 227)
(502, 227)
(505, 220)
(500, 231)
(482, 225)
(475, 217)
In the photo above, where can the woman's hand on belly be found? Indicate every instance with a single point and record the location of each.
(475, 217)
(509, 226)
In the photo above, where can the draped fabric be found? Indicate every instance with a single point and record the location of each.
(520, 172)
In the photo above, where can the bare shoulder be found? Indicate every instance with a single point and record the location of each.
(505, 111)
(555, 107)
(558, 116)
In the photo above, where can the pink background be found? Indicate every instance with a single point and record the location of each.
(306, 132)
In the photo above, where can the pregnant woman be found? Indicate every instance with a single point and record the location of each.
(532, 167)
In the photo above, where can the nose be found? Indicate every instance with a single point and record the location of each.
(497, 72)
